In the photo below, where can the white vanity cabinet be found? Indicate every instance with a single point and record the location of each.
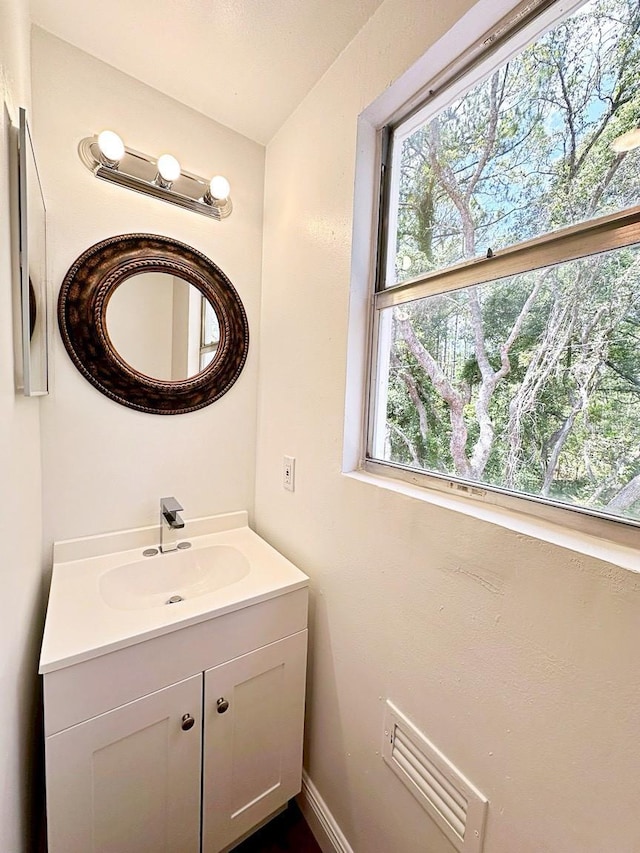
(127, 770)
(128, 780)
(253, 712)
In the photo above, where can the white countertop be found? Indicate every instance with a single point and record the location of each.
(80, 625)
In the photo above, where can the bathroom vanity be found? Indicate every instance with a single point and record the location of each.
(171, 726)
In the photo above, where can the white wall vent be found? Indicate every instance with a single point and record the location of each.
(447, 796)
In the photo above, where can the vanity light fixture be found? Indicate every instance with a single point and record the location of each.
(110, 159)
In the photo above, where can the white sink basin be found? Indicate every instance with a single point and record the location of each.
(154, 581)
(105, 595)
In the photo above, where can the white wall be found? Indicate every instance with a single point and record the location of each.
(516, 657)
(105, 466)
(140, 322)
(20, 518)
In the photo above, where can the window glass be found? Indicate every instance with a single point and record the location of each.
(209, 334)
(524, 152)
(530, 383)
(210, 325)
(206, 357)
(519, 373)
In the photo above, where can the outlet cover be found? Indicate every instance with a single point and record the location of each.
(289, 473)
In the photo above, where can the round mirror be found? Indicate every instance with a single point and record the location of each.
(153, 324)
(162, 326)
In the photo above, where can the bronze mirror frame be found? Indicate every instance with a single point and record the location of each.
(82, 307)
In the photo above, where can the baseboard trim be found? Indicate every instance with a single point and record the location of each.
(321, 822)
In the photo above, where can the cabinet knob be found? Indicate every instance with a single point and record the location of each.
(221, 705)
(187, 722)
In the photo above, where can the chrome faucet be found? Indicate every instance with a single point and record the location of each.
(170, 522)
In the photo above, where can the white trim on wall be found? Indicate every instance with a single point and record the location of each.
(322, 823)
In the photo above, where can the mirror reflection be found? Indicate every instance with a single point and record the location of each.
(33, 266)
(162, 326)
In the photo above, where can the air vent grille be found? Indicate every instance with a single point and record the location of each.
(449, 798)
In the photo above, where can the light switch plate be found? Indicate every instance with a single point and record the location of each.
(289, 473)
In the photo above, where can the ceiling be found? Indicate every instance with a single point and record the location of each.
(244, 63)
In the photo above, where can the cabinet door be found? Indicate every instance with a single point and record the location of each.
(253, 749)
(128, 781)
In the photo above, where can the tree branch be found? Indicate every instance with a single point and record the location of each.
(445, 389)
(409, 445)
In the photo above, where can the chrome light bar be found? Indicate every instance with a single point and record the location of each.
(139, 172)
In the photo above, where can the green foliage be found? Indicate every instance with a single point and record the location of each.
(525, 152)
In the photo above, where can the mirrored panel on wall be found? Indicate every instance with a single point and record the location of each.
(33, 267)
(162, 326)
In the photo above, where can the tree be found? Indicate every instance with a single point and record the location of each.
(523, 382)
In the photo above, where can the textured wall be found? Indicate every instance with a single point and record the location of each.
(20, 519)
(105, 466)
(515, 656)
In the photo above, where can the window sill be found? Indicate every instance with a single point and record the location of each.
(555, 534)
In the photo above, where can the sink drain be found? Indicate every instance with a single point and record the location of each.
(175, 599)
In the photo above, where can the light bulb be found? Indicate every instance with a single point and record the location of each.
(168, 167)
(627, 141)
(111, 146)
(219, 188)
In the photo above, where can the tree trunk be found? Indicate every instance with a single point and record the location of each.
(445, 389)
(627, 496)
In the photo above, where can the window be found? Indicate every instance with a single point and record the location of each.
(209, 333)
(507, 304)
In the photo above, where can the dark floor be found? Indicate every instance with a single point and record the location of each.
(287, 833)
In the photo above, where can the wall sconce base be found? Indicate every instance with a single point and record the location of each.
(137, 171)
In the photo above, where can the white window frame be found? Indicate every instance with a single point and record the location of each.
(507, 37)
